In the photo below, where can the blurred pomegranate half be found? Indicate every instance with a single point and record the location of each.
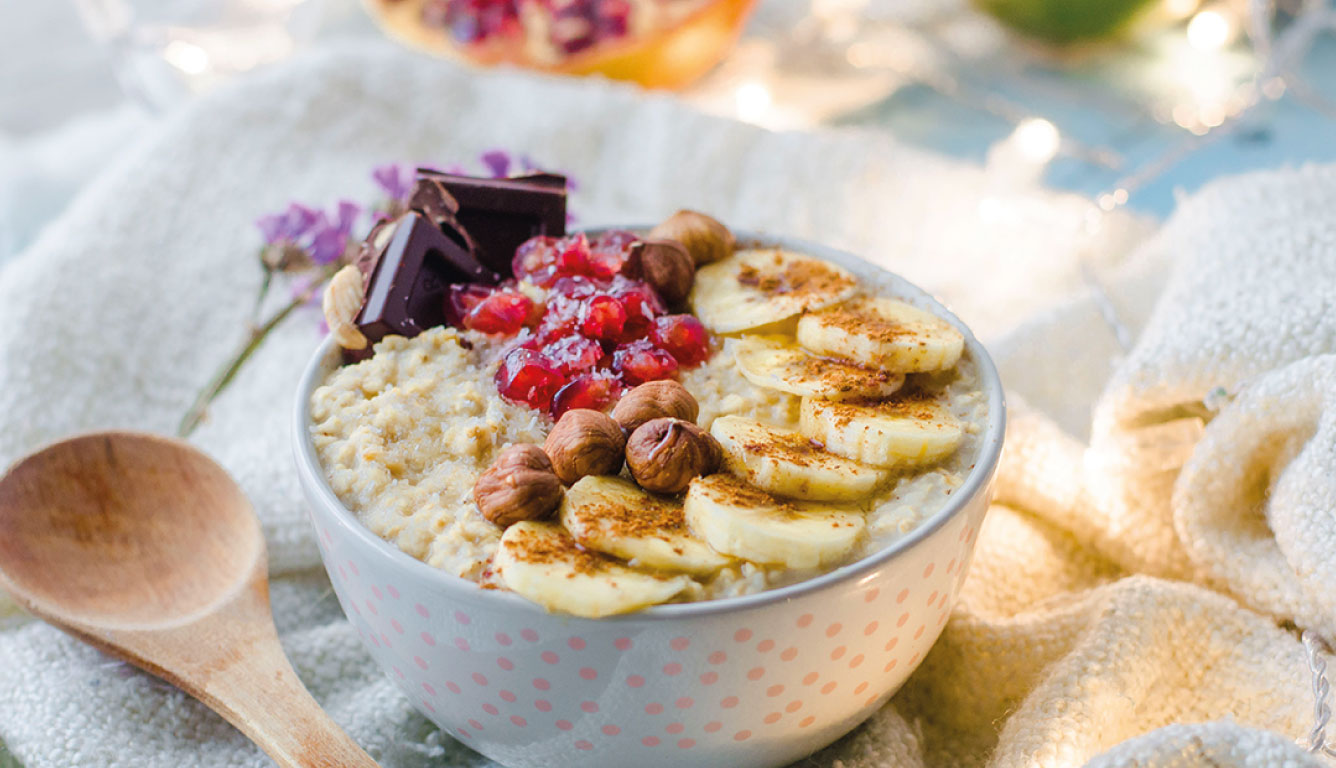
(657, 43)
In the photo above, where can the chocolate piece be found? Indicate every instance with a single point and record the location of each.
(431, 198)
(407, 289)
(500, 214)
(368, 253)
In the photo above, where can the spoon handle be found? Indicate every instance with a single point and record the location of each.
(262, 696)
(232, 661)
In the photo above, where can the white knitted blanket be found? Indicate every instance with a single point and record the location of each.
(1069, 645)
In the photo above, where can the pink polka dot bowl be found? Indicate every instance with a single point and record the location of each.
(757, 680)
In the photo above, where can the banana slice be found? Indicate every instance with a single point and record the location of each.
(541, 562)
(883, 333)
(757, 288)
(902, 431)
(775, 362)
(749, 523)
(786, 463)
(618, 518)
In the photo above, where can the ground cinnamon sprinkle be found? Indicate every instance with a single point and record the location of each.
(914, 404)
(732, 490)
(792, 448)
(860, 317)
(648, 518)
(844, 376)
(911, 404)
(541, 548)
(794, 278)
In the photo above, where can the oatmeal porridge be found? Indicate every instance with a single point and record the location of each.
(626, 422)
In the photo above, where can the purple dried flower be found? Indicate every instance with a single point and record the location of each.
(271, 227)
(497, 162)
(289, 226)
(328, 245)
(329, 240)
(347, 212)
(395, 180)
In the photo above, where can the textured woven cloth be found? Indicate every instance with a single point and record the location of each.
(1069, 645)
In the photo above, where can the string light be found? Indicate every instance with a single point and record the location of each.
(1037, 139)
(752, 101)
(187, 57)
(1210, 31)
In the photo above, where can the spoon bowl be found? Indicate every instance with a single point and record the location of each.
(145, 548)
(125, 530)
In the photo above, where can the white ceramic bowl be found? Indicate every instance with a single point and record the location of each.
(759, 680)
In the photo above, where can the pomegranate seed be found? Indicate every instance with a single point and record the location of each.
(603, 317)
(574, 354)
(573, 255)
(592, 390)
(684, 337)
(503, 312)
(560, 319)
(527, 339)
(641, 303)
(640, 361)
(608, 252)
(536, 261)
(578, 286)
(473, 21)
(461, 300)
(579, 24)
(528, 377)
(552, 330)
(613, 18)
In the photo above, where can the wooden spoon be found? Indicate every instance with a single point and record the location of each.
(145, 548)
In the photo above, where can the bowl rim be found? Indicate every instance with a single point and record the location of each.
(312, 475)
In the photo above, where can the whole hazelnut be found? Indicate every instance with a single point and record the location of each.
(665, 454)
(520, 485)
(585, 442)
(654, 400)
(705, 238)
(665, 265)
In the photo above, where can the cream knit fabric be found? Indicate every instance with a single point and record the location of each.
(1255, 289)
(1068, 646)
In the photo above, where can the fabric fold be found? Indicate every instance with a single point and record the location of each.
(1256, 502)
(1253, 288)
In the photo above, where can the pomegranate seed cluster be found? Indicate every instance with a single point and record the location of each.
(566, 26)
(595, 333)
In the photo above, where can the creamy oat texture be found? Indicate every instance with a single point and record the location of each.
(404, 435)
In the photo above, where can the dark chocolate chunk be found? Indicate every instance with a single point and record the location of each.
(431, 198)
(368, 253)
(407, 289)
(500, 214)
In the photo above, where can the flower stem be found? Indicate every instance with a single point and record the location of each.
(262, 295)
(229, 370)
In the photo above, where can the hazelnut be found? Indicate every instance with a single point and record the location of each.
(520, 485)
(665, 265)
(654, 400)
(705, 238)
(665, 454)
(585, 442)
